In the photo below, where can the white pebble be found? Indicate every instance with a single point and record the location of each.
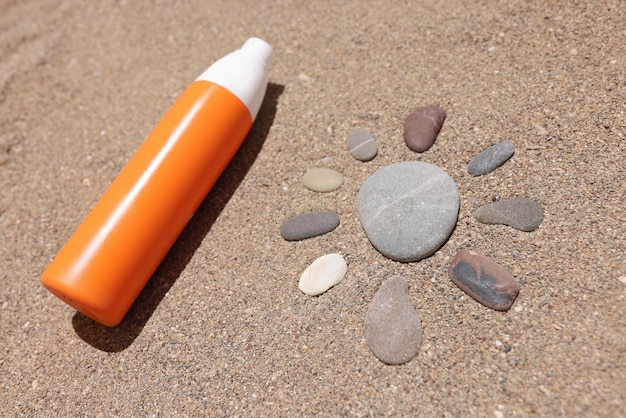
(322, 274)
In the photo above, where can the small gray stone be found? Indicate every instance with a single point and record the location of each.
(422, 127)
(307, 225)
(408, 209)
(322, 179)
(491, 158)
(484, 280)
(519, 213)
(362, 145)
(322, 274)
(393, 330)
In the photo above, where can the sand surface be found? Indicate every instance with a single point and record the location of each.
(222, 329)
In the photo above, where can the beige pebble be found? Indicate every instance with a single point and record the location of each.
(321, 179)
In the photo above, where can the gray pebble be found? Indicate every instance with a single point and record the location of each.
(519, 213)
(408, 209)
(484, 280)
(393, 330)
(491, 158)
(362, 145)
(307, 225)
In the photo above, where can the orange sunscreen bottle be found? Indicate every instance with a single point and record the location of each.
(108, 260)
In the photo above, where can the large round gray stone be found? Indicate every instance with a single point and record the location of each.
(408, 209)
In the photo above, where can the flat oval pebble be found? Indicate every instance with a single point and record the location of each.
(484, 280)
(519, 213)
(322, 179)
(307, 225)
(362, 145)
(393, 330)
(491, 158)
(408, 209)
(322, 274)
(422, 127)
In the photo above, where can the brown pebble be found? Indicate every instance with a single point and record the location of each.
(484, 280)
(422, 127)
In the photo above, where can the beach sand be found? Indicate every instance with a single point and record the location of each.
(222, 329)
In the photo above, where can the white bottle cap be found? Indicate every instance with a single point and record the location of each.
(244, 73)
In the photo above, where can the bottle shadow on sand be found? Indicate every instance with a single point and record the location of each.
(118, 338)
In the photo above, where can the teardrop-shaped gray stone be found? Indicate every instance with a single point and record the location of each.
(393, 330)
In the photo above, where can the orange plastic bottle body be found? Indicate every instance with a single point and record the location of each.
(111, 256)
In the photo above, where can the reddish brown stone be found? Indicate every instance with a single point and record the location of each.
(484, 280)
(422, 127)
